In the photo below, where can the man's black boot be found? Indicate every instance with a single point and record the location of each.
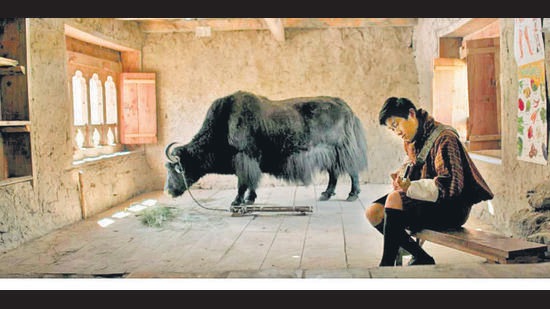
(404, 240)
(394, 227)
(400, 252)
(380, 227)
(420, 257)
(421, 261)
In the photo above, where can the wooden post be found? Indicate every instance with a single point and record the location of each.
(82, 199)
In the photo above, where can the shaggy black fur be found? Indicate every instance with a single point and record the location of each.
(246, 135)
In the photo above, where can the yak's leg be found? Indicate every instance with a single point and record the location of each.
(355, 190)
(332, 179)
(251, 197)
(248, 172)
(239, 199)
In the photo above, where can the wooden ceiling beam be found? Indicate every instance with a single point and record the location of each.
(347, 22)
(470, 26)
(216, 24)
(235, 24)
(146, 18)
(276, 27)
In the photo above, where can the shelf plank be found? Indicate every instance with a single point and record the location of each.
(17, 70)
(16, 129)
(14, 123)
(8, 62)
(12, 180)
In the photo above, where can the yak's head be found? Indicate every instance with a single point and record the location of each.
(181, 173)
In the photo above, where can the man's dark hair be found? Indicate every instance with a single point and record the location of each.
(396, 107)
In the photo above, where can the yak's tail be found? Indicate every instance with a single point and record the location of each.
(349, 156)
(352, 154)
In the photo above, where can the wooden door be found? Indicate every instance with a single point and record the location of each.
(138, 114)
(484, 112)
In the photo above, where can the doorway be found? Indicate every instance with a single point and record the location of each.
(466, 87)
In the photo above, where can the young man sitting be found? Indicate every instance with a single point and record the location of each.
(440, 189)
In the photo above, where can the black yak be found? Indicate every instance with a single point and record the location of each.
(246, 135)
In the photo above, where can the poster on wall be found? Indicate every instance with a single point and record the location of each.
(531, 102)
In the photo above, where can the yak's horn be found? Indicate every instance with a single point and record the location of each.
(168, 154)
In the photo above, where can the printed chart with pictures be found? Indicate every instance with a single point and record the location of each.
(532, 124)
(531, 103)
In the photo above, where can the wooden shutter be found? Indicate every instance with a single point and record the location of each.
(484, 123)
(138, 112)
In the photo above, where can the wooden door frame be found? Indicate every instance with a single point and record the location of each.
(470, 29)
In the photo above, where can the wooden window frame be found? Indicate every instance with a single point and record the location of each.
(92, 60)
(477, 37)
(129, 61)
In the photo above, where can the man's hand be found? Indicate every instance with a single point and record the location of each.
(403, 184)
(395, 184)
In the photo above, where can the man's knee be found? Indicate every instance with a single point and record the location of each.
(394, 200)
(375, 213)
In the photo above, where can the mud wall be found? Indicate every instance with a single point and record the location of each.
(514, 177)
(52, 200)
(363, 66)
(511, 178)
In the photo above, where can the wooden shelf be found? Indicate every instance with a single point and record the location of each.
(15, 126)
(17, 129)
(17, 70)
(13, 180)
(14, 123)
(8, 62)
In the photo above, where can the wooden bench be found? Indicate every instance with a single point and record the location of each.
(495, 248)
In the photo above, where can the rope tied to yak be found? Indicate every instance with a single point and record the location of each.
(236, 210)
(179, 168)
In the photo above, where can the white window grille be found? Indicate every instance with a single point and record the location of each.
(110, 101)
(80, 99)
(96, 100)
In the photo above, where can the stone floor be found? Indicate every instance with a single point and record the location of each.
(206, 241)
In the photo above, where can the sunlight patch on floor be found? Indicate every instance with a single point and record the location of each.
(134, 208)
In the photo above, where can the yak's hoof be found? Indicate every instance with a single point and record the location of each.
(236, 202)
(352, 197)
(326, 195)
(237, 211)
